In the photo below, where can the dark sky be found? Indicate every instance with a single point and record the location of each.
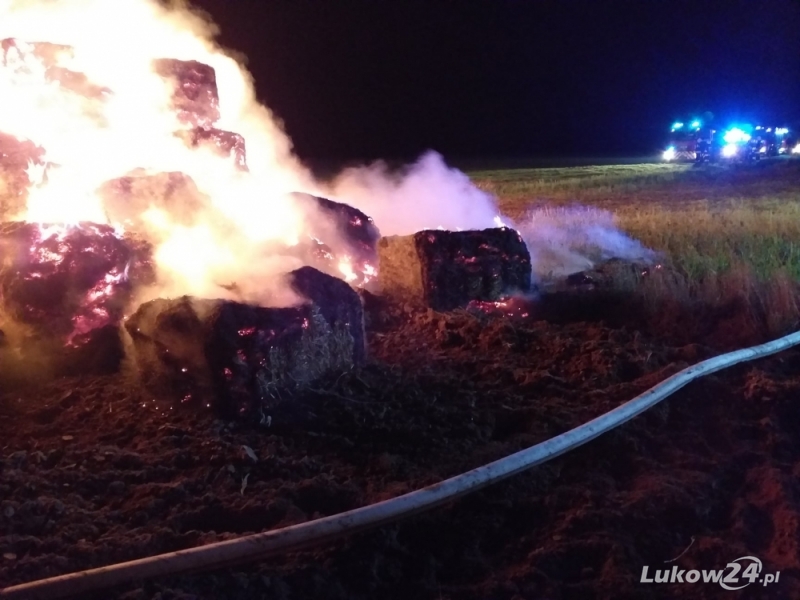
(363, 79)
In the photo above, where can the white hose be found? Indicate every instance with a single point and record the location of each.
(261, 545)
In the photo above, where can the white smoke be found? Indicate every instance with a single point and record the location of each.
(425, 195)
(429, 195)
(565, 240)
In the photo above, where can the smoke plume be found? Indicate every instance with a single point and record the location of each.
(565, 240)
(425, 195)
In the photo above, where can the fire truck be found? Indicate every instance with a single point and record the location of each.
(738, 143)
(779, 141)
(682, 144)
(745, 143)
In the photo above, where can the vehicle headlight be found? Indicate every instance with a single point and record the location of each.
(669, 153)
(729, 150)
(763, 150)
(796, 149)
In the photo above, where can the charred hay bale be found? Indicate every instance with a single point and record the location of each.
(15, 158)
(343, 240)
(337, 301)
(448, 269)
(611, 274)
(64, 291)
(195, 96)
(224, 143)
(127, 199)
(239, 357)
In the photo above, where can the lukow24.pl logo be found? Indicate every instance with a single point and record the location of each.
(736, 575)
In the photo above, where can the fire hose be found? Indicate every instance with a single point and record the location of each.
(258, 546)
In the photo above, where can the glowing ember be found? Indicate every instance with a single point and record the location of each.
(513, 307)
(94, 314)
(67, 280)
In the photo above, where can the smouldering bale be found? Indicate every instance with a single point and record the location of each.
(239, 357)
(224, 143)
(15, 158)
(343, 240)
(613, 273)
(448, 269)
(63, 293)
(195, 96)
(336, 300)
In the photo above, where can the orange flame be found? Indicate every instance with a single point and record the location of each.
(92, 100)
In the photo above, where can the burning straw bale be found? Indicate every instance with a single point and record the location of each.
(195, 96)
(241, 356)
(63, 293)
(15, 158)
(41, 59)
(15, 53)
(224, 143)
(343, 240)
(448, 269)
(127, 199)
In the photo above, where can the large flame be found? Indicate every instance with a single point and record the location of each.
(119, 118)
(85, 81)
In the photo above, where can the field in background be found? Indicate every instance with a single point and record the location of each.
(727, 236)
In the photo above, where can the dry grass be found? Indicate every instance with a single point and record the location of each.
(522, 184)
(704, 239)
(728, 237)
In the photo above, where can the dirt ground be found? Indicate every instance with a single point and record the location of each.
(93, 472)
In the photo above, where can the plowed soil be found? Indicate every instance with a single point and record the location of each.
(93, 472)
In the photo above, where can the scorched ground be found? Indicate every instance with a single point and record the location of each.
(95, 472)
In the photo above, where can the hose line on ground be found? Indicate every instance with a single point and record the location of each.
(253, 547)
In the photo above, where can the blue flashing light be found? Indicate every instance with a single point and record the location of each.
(696, 124)
(676, 126)
(735, 135)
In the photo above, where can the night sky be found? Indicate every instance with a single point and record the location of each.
(366, 79)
